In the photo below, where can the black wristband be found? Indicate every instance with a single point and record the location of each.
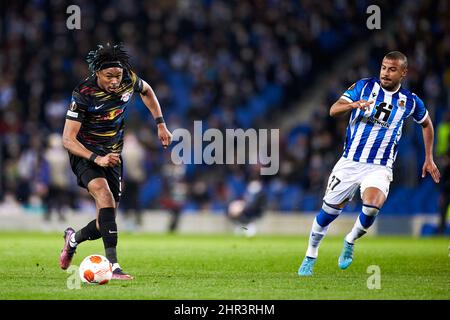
(93, 157)
(159, 120)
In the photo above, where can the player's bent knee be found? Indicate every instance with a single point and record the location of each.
(97, 185)
(374, 197)
(104, 197)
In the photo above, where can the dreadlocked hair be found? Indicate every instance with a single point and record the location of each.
(107, 53)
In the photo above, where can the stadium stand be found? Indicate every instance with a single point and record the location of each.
(231, 64)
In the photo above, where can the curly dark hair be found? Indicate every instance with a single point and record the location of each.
(105, 54)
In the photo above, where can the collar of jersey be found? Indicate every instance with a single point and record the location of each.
(390, 92)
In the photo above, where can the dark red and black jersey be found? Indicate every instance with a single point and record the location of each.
(101, 113)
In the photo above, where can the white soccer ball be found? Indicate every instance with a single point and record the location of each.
(95, 269)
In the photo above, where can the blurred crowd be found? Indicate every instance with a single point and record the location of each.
(231, 64)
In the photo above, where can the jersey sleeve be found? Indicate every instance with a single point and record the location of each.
(78, 107)
(353, 93)
(138, 84)
(420, 112)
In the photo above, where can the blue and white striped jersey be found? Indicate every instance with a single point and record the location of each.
(372, 135)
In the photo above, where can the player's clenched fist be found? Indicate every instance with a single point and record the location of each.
(360, 104)
(110, 160)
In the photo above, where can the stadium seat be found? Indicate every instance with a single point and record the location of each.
(291, 198)
(150, 190)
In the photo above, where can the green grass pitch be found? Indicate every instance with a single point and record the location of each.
(227, 267)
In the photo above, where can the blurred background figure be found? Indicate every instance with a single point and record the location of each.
(34, 176)
(175, 192)
(246, 211)
(133, 155)
(59, 195)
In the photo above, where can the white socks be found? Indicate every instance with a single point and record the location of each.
(115, 266)
(357, 232)
(317, 234)
(365, 219)
(72, 241)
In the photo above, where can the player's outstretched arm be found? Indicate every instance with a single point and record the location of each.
(71, 143)
(343, 106)
(151, 102)
(428, 140)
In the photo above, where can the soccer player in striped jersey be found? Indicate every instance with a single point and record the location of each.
(378, 109)
(93, 135)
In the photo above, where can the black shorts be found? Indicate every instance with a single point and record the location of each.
(86, 170)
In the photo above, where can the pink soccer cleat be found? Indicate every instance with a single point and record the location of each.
(67, 252)
(118, 274)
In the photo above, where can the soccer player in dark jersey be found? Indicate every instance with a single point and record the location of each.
(93, 135)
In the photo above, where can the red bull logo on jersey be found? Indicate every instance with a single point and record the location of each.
(111, 115)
